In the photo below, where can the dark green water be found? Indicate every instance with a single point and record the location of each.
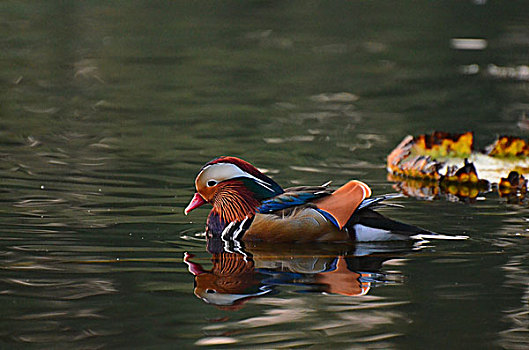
(107, 111)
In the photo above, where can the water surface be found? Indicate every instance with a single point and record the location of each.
(109, 110)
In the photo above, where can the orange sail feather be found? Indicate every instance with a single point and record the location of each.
(342, 203)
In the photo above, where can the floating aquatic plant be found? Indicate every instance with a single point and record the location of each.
(442, 163)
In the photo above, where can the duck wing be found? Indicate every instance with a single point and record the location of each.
(293, 197)
(337, 206)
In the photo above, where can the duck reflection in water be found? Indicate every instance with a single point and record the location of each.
(256, 271)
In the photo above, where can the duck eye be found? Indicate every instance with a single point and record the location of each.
(211, 183)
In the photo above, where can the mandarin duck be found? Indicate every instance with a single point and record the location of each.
(250, 206)
(234, 278)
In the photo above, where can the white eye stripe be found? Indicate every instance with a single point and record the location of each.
(225, 171)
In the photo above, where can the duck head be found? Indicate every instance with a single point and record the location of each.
(234, 187)
(231, 281)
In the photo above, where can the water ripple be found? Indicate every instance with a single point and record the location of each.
(57, 289)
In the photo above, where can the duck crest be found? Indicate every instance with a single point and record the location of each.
(244, 165)
(263, 186)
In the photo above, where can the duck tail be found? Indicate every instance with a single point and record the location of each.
(368, 225)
